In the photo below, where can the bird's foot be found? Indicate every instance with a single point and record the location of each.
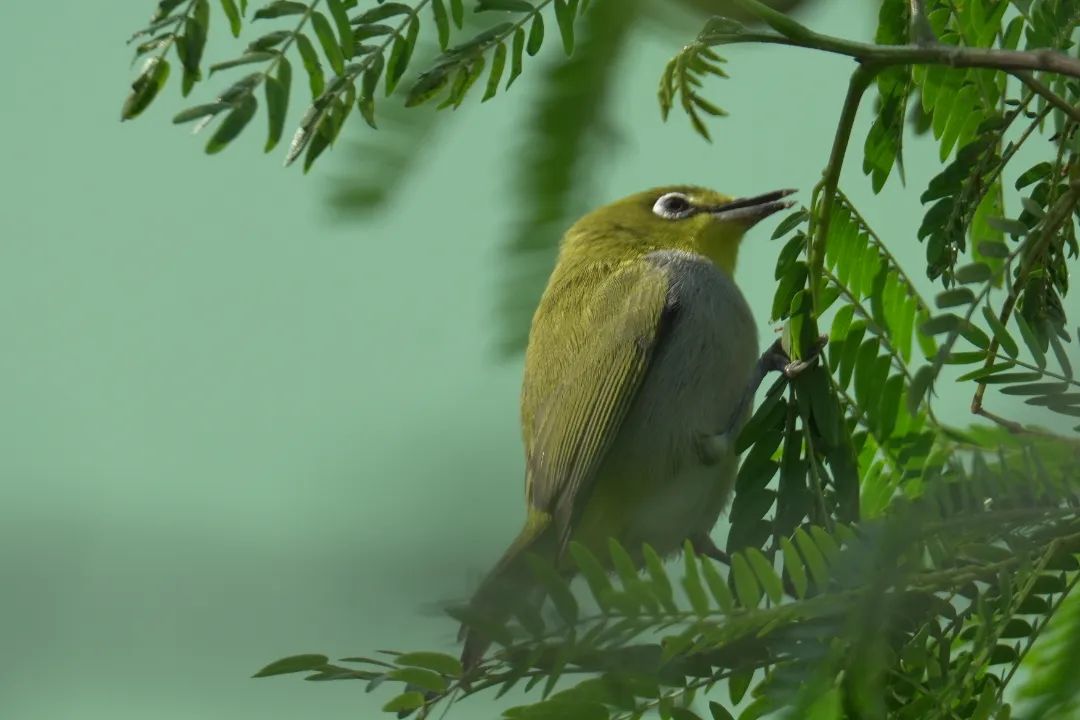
(704, 545)
(776, 358)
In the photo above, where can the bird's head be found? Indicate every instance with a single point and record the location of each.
(678, 217)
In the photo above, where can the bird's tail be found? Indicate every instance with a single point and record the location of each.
(506, 585)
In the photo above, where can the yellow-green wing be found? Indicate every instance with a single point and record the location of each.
(588, 355)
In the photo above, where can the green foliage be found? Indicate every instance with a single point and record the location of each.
(882, 562)
(346, 51)
(684, 73)
(570, 125)
(955, 587)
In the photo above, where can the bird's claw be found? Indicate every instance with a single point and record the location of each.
(704, 545)
(776, 358)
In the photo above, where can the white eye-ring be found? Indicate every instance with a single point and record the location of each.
(673, 206)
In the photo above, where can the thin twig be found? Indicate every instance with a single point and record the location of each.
(1060, 212)
(1051, 97)
(860, 80)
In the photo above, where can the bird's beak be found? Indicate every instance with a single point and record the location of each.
(751, 210)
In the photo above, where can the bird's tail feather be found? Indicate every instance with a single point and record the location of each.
(508, 583)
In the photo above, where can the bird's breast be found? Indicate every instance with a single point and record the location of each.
(691, 391)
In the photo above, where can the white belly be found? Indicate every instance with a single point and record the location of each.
(692, 392)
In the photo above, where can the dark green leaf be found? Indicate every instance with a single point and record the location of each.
(245, 59)
(442, 22)
(146, 87)
(191, 45)
(405, 701)
(457, 12)
(1007, 226)
(232, 125)
(329, 43)
(850, 352)
(382, 12)
(985, 372)
(1002, 654)
(344, 29)
(965, 358)
(427, 86)
(815, 561)
(1033, 174)
(466, 76)
(311, 64)
(556, 587)
(1038, 388)
(792, 282)
(946, 322)
(766, 574)
(439, 662)
(1061, 355)
(794, 566)
(717, 586)
(680, 713)
(366, 32)
(367, 89)
(738, 684)
(280, 8)
(400, 54)
(1032, 342)
(536, 35)
(660, 584)
(164, 8)
(746, 587)
(973, 273)
(993, 249)
(719, 712)
(199, 111)
(825, 409)
(504, 5)
(1010, 378)
(233, 14)
(420, 677)
(790, 223)
(564, 16)
(498, 63)
(593, 572)
(293, 664)
(695, 591)
(974, 335)
(954, 297)
(1001, 334)
(277, 103)
(559, 709)
(269, 41)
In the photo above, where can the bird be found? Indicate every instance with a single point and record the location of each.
(640, 370)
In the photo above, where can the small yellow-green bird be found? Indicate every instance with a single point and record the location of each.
(640, 371)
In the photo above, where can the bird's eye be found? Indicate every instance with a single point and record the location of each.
(673, 206)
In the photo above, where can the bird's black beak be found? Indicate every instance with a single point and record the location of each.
(752, 210)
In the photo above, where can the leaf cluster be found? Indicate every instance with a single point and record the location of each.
(908, 614)
(350, 54)
(882, 562)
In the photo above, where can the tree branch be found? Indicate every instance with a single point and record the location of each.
(860, 80)
(933, 53)
(1051, 97)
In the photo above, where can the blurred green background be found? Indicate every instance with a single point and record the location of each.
(237, 426)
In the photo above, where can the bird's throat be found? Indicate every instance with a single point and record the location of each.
(722, 251)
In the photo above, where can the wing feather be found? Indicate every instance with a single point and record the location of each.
(592, 376)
